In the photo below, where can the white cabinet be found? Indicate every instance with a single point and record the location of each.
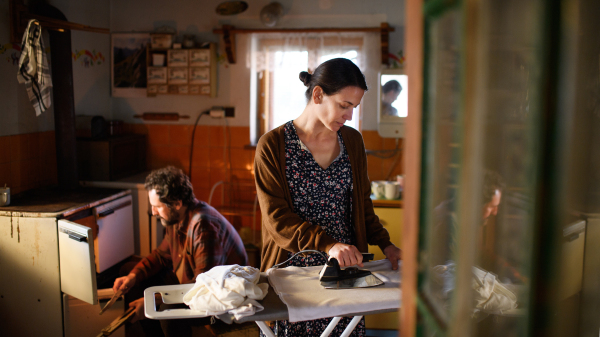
(30, 296)
(43, 256)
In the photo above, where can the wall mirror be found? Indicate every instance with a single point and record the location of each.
(393, 103)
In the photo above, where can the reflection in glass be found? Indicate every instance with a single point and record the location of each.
(443, 146)
(512, 163)
(394, 96)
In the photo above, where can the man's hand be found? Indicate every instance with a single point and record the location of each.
(124, 283)
(346, 255)
(139, 310)
(393, 254)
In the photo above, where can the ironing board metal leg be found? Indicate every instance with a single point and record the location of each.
(331, 326)
(265, 329)
(351, 326)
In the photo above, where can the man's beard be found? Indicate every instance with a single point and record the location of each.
(172, 219)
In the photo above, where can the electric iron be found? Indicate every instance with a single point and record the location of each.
(333, 277)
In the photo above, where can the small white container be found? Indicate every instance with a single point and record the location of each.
(158, 60)
(4, 196)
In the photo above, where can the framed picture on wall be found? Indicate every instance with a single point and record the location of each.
(128, 64)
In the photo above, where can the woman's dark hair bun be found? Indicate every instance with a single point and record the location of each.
(333, 76)
(305, 78)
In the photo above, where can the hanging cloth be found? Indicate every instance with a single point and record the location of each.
(33, 68)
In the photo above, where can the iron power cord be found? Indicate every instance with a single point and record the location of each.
(192, 145)
(300, 252)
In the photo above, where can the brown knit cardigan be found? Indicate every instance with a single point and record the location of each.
(283, 230)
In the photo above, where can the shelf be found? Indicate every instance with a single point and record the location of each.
(183, 72)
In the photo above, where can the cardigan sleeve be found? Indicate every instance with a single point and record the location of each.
(285, 227)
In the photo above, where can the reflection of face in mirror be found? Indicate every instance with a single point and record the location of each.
(394, 97)
(389, 93)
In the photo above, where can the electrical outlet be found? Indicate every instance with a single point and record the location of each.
(217, 113)
(230, 112)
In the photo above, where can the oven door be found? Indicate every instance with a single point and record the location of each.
(76, 258)
(115, 233)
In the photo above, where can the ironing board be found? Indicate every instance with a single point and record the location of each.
(274, 309)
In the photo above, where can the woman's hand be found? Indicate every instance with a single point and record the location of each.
(124, 283)
(139, 310)
(346, 255)
(393, 254)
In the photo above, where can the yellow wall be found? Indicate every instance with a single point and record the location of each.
(391, 218)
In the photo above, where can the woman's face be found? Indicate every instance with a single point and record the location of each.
(390, 96)
(336, 109)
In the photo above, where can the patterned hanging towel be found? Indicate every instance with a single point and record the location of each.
(33, 68)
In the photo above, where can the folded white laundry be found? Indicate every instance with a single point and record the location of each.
(229, 289)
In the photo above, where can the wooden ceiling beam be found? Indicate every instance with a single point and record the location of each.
(20, 16)
(229, 32)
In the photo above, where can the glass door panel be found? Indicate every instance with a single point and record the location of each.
(507, 94)
(441, 156)
(577, 298)
(480, 161)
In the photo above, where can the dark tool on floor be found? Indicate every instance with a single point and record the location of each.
(118, 322)
(112, 301)
(334, 277)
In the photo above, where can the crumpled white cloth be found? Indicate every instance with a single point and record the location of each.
(490, 296)
(229, 289)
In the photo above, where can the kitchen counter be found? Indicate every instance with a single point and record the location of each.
(387, 203)
(54, 202)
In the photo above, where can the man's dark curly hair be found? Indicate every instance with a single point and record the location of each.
(171, 185)
(492, 181)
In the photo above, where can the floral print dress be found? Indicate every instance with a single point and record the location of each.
(324, 198)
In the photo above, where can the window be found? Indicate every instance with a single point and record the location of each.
(278, 59)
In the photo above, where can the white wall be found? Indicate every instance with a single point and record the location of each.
(200, 18)
(17, 115)
(91, 84)
(91, 79)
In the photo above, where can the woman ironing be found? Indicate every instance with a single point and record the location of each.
(313, 187)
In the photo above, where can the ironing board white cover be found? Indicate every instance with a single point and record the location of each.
(306, 299)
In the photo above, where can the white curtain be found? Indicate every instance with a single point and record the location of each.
(318, 48)
(285, 55)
